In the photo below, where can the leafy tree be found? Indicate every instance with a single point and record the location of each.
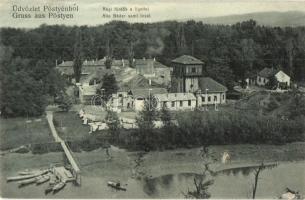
(145, 122)
(297, 104)
(108, 62)
(64, 102)
(78, 62)
(219, 69)
(202, 183)
(272, 83)
(21, 95)
(109, 86)
(113, 123)
(166, 117)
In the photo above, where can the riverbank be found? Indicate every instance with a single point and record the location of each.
(97, 169)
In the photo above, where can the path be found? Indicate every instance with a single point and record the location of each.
(76, 170)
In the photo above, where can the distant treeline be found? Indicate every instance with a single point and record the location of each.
(230, 52)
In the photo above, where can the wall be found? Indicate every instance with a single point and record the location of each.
(189, 82)
(283, 78)
(261, 81)
(177, 106)
(221, 98)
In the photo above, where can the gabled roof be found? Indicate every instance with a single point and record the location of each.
(268, 72)
(138, 82)
(144, 92)
(186, 59)
(211, 85)
(66, 64)
(175, 96)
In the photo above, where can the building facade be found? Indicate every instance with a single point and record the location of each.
(175, 101)
(266, 74)
(186, 73)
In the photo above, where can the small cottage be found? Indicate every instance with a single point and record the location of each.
(265, 75)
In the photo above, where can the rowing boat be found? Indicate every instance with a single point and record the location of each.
(29, 181)
(43, 179)
(115, 185)
(59, 186)
(18, 178)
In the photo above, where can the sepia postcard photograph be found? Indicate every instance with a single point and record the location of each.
(152, 99)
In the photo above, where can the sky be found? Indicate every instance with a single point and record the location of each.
(91, 11)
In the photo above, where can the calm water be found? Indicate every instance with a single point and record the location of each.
(237, 184)
(272, 183)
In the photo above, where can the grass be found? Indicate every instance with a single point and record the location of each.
(69, 125)
(15, 132)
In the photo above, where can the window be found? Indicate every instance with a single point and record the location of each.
(223, 96)
(120, 95)
(203, 99)
(173, 104)
(215, 98)
(209, 99)
(189, 102)
(259, 79)
(193, 69)
(164, 103)
(181, 103)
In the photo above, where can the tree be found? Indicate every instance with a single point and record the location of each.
(220, 70)
(145, 122)
(297, 104)
(272, 83)
(201, 183)
(166, 117)
(109, 86)
(113, 123)
(78, 62)
(64, 102)
(21, 94)
(108, 62)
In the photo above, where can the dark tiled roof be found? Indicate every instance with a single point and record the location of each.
(139, 82)
(185, 59)
(211, 85)
(267, 72)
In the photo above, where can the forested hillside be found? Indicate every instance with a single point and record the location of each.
(230, 53)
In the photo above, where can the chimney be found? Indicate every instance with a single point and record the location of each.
(144, 58)
(154, 59)
(86, 61)
(63, 61)
(123, 62)
(133, 60)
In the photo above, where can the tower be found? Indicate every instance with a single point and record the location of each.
(186, 73)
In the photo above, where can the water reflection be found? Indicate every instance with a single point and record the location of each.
(175, 185)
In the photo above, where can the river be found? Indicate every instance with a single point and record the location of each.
(166, 174)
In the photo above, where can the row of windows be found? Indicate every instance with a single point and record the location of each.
(262, 80)
(189, 103)
(209, 98)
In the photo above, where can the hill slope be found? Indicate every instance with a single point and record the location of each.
(282, 19)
